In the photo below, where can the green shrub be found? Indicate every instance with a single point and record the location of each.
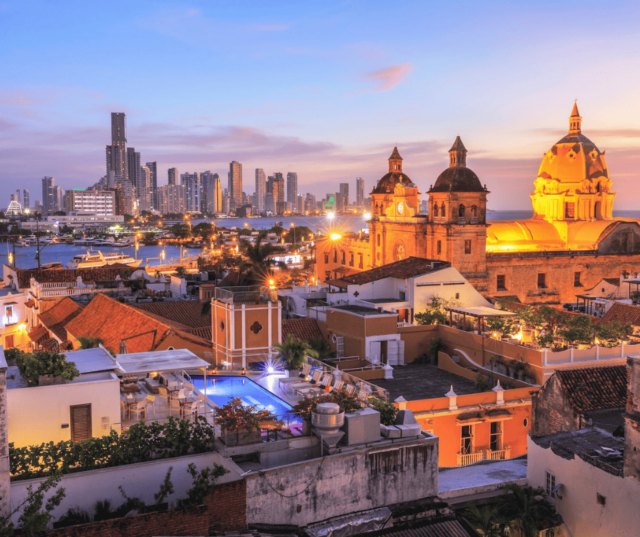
(33, 366)
(388, 411)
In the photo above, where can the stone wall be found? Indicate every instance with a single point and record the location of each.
(370, 477)
(632, 420)
(5, 494)
(551, 411)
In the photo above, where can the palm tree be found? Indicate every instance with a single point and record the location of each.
(257, 256)
(295, 351)
(528, 509)
(487, 519)
(90, 342)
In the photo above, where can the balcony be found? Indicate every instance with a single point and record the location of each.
(474, 220)
(251, 294)
(487, 454)
(470, 458)
(462, 220)
(498, 455)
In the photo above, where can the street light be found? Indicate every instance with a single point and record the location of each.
(335, 236)
(331, 215)
(367, 217)
(293, 225)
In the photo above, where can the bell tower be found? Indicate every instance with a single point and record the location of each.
(458, 154)
(575, 121)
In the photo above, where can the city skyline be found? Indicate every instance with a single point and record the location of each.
(332, 123)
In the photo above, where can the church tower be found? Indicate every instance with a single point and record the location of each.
(457, 216)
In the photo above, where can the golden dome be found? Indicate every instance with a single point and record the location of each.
(574, 163)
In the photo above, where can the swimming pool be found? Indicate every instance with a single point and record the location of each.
(221, 389)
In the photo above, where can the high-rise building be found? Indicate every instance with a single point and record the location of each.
(235, 184)
(133, 167)
(360, 192)
(126, 198)
(211, 192)
(173, 176)
(145, 196)
(117, 151)
(310, 203)
(193, 188)
(98, 202)
(172, 199)
(344, 195)
(261, 189)
(300, 204)
(292, 188)
(269, 204)
(26, 199)
(50, 195)
(153, 185)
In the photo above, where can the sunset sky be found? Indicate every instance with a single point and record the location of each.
(325, 89)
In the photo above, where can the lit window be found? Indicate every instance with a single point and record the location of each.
(326, 257)
(466, 440)
(467, 247)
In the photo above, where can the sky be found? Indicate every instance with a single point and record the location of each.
(325, 89)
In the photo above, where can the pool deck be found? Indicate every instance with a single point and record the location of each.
(270, 383)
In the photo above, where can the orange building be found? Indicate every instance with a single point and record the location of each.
(482, 426)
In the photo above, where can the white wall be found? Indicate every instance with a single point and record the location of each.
(178, 286)
(141, 480)
(36, 414)
(581, 482)
(469, 297)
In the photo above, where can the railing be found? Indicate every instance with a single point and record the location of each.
(498, 455)
(462, 220)
(470, 458)
(275, 427)
(474, 220)
(64, 289)
(251, 294)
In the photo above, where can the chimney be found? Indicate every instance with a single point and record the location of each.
(402, 403)
(499, 394)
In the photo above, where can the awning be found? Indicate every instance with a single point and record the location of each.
(149, 362)
(498, 415)
(39, 334)
(481, 311)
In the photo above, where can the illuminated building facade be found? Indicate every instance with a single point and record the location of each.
(570, 244)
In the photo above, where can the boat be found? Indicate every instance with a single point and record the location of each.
(95, 258)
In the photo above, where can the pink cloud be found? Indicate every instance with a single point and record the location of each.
(389, 77)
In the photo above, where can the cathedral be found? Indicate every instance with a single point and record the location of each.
(570, 244)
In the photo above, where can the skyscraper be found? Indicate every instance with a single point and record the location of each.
(172, 199)
(360, 192)
(145, 198)
(173, 176)
(50, 201)
(235, 184)
(133, 167)
(26, 199)
(261, 187)
(193, 191)
(116, 152)
(211, 192)
(344, 195)
(292, 188)
(153, 185)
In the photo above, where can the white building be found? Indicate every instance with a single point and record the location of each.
(98, 202)
(13, 329)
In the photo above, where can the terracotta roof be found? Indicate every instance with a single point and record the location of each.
(613, 281)
(302, 329)
(388, 182)
(186, 312)
(70, 275)
(406, 268)
(204, 332)
(623, 313)
(230, 279)
(595, 388)
(39, 334)
(59, 315)
(112, 321)
(434, 526)
(30, 303)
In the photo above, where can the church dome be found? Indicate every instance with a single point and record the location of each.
(574, 158)
(388, 182)
(457, 177)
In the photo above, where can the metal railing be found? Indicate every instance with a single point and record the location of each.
(469, 458)
(250, 294)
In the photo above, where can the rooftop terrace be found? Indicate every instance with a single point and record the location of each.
(419, 381)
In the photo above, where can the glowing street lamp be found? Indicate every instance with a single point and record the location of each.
(331, 215)
(367, 217)
(335, 236)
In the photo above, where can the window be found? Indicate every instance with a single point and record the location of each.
(551, 484)
(439, 247)
(403, 296)
(344, 258)
(466, 444)
(501, 282)
(327, 276)
(80, 422)
(601, 499)
(9, 316)
(360, 263)
(525, 422)
(351, 259)
(576, 279)
(326, 257)
(335, 256)
(496, 436)
(378, 239)
(461, 210)
(222, 325)
(569, 210)
(435, 209)
(457, 296)
(255, 327)
(542, 280)
(467, 247)
(443, 211)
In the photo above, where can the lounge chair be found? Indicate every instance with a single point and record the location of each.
(316, 390)
(295, 386)
(350, 389)
(163, 394)
(337, 385)
(306, 369)
(140, 409)
(174, 406)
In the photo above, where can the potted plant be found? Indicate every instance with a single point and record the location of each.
(240, 423)
(44, 368)
(435, 346)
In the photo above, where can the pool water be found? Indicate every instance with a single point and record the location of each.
(221, 389)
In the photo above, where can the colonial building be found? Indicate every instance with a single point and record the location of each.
(571, 243)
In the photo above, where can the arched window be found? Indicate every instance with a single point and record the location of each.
(435, 209)
(461, 210)
(474, 211)
(443, 211)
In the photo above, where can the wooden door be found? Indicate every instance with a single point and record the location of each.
(80, 422)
